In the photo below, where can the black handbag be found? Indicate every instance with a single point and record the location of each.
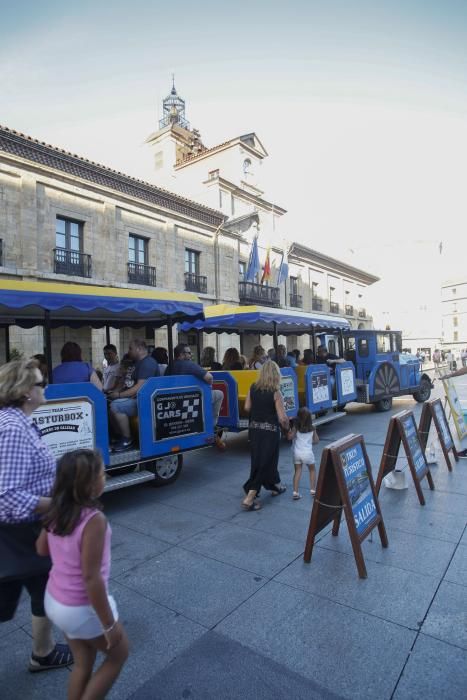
(18, 556)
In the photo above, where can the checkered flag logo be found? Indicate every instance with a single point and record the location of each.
(190, 408)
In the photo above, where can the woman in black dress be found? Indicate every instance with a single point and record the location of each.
(266, 408)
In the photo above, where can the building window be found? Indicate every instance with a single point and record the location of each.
(68, 256)
(192, 258)
(293, 286)
(241, 271)
(455, 336)
(137, 249)
(454, 290)
(69, 234)
(455, 321)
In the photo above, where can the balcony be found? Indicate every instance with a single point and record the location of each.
(348, 310)
(72, 262)
(196, 283)
(141, 274)
(251, 293)
(334, 307)
(296, 300)
(362, 313)
(317, 304)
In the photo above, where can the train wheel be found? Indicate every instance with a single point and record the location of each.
(423, 394)
(384, 404)
(386, 383)
(167, 469)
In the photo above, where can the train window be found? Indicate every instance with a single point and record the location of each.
(396, 342)
(332, 347)
(349, 343)
(363, 350)
(383, 343)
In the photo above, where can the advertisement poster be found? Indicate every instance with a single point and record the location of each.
(359, 487)
(319, 387)
(456, 408)
(66, 425)
(441, 417)
(347, 382)
(177, 413)
(418, 456)
(288, 393)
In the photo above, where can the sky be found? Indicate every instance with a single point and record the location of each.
(362, 107)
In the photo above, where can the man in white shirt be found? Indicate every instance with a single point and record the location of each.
(110, 373)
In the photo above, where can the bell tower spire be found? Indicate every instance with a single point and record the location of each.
(173, 110)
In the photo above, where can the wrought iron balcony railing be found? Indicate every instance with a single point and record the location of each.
(334, 307)
(72, 262)
(252, 293)
(296, 300)
(348, 310)
(317, 304)
(196, 283)
(141, 274)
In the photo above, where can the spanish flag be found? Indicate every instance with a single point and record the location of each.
(267, 267)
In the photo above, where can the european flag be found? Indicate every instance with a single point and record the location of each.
(253, 263)
(283, 269)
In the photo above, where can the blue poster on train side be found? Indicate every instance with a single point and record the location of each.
(355, 471)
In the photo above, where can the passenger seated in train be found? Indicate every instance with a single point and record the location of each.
(72, 368)
(208, 359)
(231, 360)
(161, 356)
(124, 403)
(308, 357)
(323, 357)
(258, 357)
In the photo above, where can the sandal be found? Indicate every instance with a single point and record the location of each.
(312, 491)
(251, 506)
(277, 491)
(296, 496)
(59, 657)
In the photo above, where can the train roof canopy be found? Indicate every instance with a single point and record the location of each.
(222, 318)
(27, 303)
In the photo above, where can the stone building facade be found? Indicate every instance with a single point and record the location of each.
(66, 219)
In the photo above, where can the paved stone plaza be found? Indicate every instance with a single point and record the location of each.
(218, 603)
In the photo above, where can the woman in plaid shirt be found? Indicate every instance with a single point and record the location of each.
(27, 473)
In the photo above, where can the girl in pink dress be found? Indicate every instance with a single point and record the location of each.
(77, 537)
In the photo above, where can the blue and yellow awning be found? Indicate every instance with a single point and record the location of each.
(24, 302)
(223, 318)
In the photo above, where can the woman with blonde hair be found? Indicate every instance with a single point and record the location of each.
(27, 473)
(258, 358)
(267, 413)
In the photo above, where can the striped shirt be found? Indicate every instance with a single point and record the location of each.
(27, 467)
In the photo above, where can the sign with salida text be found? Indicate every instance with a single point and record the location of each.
(345, 483)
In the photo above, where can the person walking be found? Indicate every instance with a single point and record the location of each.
(303, 437)
(77, 536)
(265, 405)
(27, 473)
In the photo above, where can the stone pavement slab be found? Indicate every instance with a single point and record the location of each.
(249, 549)
(15, 680)
(345, 651)
(157, 636)
(416, 553)
(457, 572)
(202, 589)
(217, 668)
(447, 617)
(434, 670)
(125, 555)
(390, 593)
(165, 523)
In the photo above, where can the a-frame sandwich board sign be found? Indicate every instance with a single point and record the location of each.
(345, 483)
(403, 429)
(433, 411)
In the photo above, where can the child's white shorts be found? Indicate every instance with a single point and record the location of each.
(76, 621)
(303, 458)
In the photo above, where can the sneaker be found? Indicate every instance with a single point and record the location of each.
(296, 496)
(122, 445)
(312, 491)
(462, 454)
(59, 657)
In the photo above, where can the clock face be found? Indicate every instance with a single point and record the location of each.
(246, 165)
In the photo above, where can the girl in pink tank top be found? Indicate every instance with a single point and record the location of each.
(77, 536)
